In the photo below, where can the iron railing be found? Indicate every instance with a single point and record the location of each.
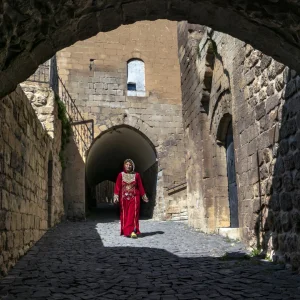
(83, 130)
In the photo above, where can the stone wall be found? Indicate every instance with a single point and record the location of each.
(260, 97)
(74, 182)
(28, 206)
(270, 26)
(150, 183)
(279, 171)
(95, 73)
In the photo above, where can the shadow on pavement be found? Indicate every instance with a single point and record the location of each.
(70, 262)
(146, 234)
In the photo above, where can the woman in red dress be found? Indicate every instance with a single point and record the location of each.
(128, 190)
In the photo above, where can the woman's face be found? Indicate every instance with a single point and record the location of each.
(128, 167)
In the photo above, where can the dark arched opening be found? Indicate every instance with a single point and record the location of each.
(225, 141)
(231, 175)
(105, 160)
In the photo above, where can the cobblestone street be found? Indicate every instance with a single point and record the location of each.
(89, 260)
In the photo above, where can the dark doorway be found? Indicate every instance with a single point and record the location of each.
(50, 191)
(105, 160)
(232, 189)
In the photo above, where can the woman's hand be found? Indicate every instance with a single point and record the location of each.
(145, 198)
(116, 199)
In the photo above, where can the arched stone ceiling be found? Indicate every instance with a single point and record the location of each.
(108, 152)
(34, 30)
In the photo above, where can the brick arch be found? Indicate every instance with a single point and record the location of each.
(111, 147)
(26, 42)
(132, 122)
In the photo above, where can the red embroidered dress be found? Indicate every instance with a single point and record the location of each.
(128, 190)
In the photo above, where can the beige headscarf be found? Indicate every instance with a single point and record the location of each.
(132, 163)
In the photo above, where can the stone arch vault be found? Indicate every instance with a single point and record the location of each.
(32, 31)
(107, 154)
(112, 147)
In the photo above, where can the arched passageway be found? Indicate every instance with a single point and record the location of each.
(231, 174)
(26, 41)
(225, 158)
(105, 160)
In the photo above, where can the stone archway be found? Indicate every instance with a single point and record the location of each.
(107, 154)
(226, 162)
(226, 215)
(129, 120)
(28, 41)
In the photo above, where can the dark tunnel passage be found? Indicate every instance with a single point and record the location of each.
(105, 160)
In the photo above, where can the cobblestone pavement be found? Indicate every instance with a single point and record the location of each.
(89, 260)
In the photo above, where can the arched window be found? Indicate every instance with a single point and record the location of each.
(136, 78)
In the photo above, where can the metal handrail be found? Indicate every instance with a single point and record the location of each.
(71, 106)
(47, 73)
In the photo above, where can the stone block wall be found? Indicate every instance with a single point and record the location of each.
(279, 170)
(74, 182)
(41, 98)
(260, 97)
(27, 206)
(101, 92)
(148, 177)
(189, 37)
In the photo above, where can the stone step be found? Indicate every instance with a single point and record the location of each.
(232, 233)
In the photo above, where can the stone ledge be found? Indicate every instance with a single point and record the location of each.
(232, 233)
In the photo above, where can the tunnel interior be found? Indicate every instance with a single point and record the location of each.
(105, 160)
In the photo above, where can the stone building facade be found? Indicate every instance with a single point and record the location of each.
(232, 91)
(96, 73)
(30, 171)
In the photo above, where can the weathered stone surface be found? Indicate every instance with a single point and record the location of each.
(272, 102)
(26, 209)
(264, 110)
(296, 200)
(297, 137)
(285, 222)
(297, 160)
(260, 110)
(265, 62)
(277, 181)
(25, 45)
(289, 162)
(288, 128)
(286, 203)
(298, 120)
(290, 88)
(297, 179)
(283, 147)
(274, 202)
(287, 182)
